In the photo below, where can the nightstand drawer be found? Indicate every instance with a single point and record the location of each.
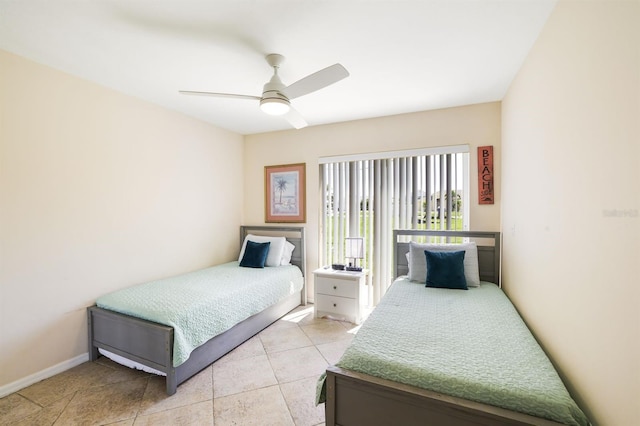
(340, 294)
(341, 307)
(336, 287)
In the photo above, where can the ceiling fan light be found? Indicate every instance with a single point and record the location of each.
(274, 106)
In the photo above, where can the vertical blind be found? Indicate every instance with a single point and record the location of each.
(370, 197)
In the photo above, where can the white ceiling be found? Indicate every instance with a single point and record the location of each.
(403, 56)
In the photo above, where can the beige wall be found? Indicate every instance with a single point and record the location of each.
(476, 125)
(571, 201)
(98, 191)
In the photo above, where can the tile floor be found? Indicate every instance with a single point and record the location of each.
(268, 380)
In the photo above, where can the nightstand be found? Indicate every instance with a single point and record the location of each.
(340, 294)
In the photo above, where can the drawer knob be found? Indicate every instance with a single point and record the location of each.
(334, 305)
(335, 287)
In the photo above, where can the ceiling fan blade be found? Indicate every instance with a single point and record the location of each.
(316, 81)
(295, 119)
(220, 95)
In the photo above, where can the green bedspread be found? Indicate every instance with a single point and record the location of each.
(470, 344)
(202, 304)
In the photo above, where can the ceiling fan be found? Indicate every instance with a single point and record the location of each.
(276, 97)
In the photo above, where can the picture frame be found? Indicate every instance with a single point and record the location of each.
(284, 189)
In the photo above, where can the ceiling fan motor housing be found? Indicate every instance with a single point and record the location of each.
(273, 101)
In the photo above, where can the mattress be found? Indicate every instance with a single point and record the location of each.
(202, 304)
(470, 344)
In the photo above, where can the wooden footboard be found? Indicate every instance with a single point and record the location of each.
(151, 344)
(355, 399)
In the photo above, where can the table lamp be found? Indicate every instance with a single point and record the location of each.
(354, 249)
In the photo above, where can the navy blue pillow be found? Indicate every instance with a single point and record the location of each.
(255, 254)
(445, 269)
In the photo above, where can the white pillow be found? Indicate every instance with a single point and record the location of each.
(286, 253)
(418, 261)
(276, 248)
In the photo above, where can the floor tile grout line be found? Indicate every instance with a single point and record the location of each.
(293, 420)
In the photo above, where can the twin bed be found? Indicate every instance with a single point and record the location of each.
(445, 356)
(425, 355)
(180, 325)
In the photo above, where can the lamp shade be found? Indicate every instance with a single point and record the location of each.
(354, 248)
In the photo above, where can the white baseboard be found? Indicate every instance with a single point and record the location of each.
(44, 374)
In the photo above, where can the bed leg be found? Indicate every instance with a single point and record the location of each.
(93, 351)
(172, 382)
(330, 404)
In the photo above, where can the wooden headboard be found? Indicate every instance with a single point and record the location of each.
(488, 244)
(293, 234)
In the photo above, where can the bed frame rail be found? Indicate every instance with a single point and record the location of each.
(355, 399)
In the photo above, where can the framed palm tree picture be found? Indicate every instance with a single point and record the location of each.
(285, 193)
